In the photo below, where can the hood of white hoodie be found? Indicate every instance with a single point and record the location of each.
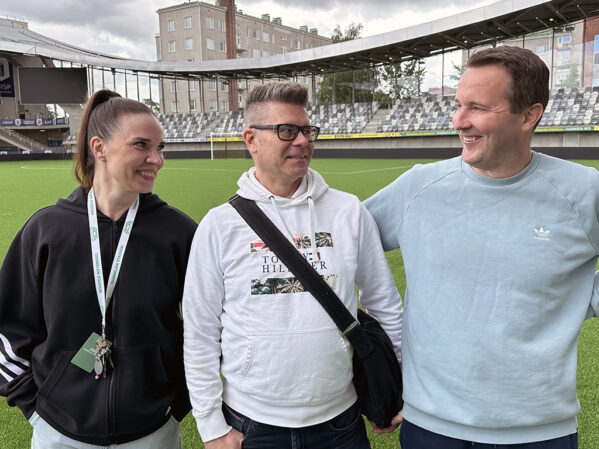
(313, 185)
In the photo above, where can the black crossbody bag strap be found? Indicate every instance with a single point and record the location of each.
(377, 375)
(299, 266)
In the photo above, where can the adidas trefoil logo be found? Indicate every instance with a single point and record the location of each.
(541, 233)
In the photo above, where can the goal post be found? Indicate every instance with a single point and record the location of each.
(223, 137)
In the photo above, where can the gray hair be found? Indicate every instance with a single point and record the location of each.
(277, 92)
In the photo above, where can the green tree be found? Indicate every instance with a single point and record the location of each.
(459, 71)
(349, 86)
(403, 79)
(153, 105)
(353, 31)
(573, 79)
(50, 113)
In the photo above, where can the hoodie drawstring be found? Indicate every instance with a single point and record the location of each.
(274, 205)
(312, 225)
(312, 228)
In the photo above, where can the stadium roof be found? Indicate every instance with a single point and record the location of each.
(498, 21)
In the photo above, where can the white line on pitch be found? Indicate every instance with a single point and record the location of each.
(241, 170)
(24, 167)
(363, 171)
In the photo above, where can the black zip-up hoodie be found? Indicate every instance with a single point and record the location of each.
(49, 307)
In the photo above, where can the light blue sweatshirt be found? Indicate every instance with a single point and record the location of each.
(499, 281)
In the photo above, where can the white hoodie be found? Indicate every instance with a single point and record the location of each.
(284, 361)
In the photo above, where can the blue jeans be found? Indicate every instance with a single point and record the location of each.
(345, 431)
(413, 437)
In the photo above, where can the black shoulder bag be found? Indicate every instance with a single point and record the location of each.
(377, 375)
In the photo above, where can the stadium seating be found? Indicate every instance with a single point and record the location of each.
(567, 107)
(186, 126)
(572, 107)
(342, 118)
(419, 114)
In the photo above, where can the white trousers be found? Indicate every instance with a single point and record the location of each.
(46, 437)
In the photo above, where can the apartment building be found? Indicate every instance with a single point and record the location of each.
(571, 52)
(197, 31)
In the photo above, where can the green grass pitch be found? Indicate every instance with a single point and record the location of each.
(195, 186)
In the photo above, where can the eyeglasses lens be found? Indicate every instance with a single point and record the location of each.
(288, 132)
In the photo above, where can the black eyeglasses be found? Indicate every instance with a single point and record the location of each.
(288, 132)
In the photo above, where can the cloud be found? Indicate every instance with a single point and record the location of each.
(362, 6)
(127, 27)
(124, 28)
(387, 15)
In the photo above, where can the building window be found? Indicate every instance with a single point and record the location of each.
(256, 53)
(175, 107)
(221, 25)
(224, 105)
(265, 36)
(255, 34)
(192, 105)
(224, 87)
(209, 43)
(209, 22)
(222, 46)
(174, 86)
(595, 81)
(238, 41)
(191, 85)
(211, 85)
(541, 49)
(212, 105)
(282, 50)
(172, 46)
(187, 22)
(171, 25)
(296, 44)
(564, 57)
(189, 43)
(283, 37)
(564, 40)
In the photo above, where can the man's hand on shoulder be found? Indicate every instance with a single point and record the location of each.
(231, 440)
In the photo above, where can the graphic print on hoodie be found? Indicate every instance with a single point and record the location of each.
(272, 264)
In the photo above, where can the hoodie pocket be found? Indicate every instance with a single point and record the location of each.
(144, 392)
(303, 367)
(66, 396)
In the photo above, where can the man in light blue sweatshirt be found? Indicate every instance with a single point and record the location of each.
(500, 247)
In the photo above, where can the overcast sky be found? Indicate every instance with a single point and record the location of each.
(127, 27)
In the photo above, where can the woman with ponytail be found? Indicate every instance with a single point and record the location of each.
(90, 291)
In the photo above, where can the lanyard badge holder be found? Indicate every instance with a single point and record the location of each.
(95, 353)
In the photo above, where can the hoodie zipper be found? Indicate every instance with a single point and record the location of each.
(110, 411)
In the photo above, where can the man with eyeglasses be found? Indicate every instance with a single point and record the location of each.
(287, 369)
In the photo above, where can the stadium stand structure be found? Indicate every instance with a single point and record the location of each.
(358, 129)
(22, 142)
(566, 108)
